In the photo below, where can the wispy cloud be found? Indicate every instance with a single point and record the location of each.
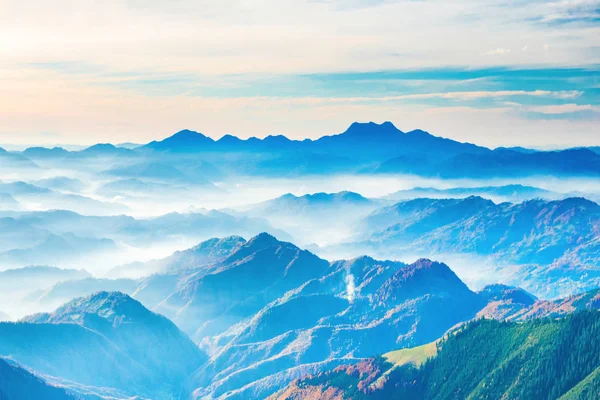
(571, 11)
(564, 108)
(497, 52)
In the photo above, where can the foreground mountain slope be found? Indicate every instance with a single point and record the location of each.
(541, 359)
(19, 384)
(134, 350)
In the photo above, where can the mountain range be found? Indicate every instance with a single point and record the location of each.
(514, 193)
(189, 156)
(66, 238)
(560, 235)
(317, 218)
(261, 313)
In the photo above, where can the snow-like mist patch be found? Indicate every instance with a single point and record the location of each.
(350, 288)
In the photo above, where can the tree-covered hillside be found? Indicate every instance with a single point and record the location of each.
(484, 359)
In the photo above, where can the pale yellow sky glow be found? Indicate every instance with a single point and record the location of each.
(81, 72)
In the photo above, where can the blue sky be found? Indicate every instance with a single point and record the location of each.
(496, 73)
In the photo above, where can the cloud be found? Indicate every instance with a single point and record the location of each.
(571, 11)
(94, 70)
(465, 95)
(350, 288)
(498, 51)
(564, 108)
(291, 36)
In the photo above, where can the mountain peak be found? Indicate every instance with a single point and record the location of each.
(182, 141)
(258, 243)
(101, 147)
(371, 129)
(423, 277)
(115, 307)
(229, 139)
(187, 136)
(500, 292)
(187, 133)
(263, 239)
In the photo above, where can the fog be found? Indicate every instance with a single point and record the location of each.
(215, 205)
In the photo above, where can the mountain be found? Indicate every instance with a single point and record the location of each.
(329, 320)
(205, 253)
(378, 141)
(362, 147)
(198, 175)
(542, 359)
(64, 291)
(104, 150)
(368, 141)
(508, 302)
(506, 163)
(29, 229)
(56, 249)
(265, 311)
(268, 310)
(288, 203)
(18, 383)
(500, 163)
(256, 273)
(8, 202)
(61, 183)
(507, 193)
(43, 153)
(560, 236)
(595, 149)
(183, 141)
(419, 216)
(134, 186)
(299, 163)
(38, 276)
(589, 300)
(13, 160)
(128, 145)
(20, 288)
(134, 351)
(42, 197)
(21, 188)
(314, 218)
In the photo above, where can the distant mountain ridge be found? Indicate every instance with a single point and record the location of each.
(362, 148)
(359, 139)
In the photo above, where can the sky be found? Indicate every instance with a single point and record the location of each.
(496, 73)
